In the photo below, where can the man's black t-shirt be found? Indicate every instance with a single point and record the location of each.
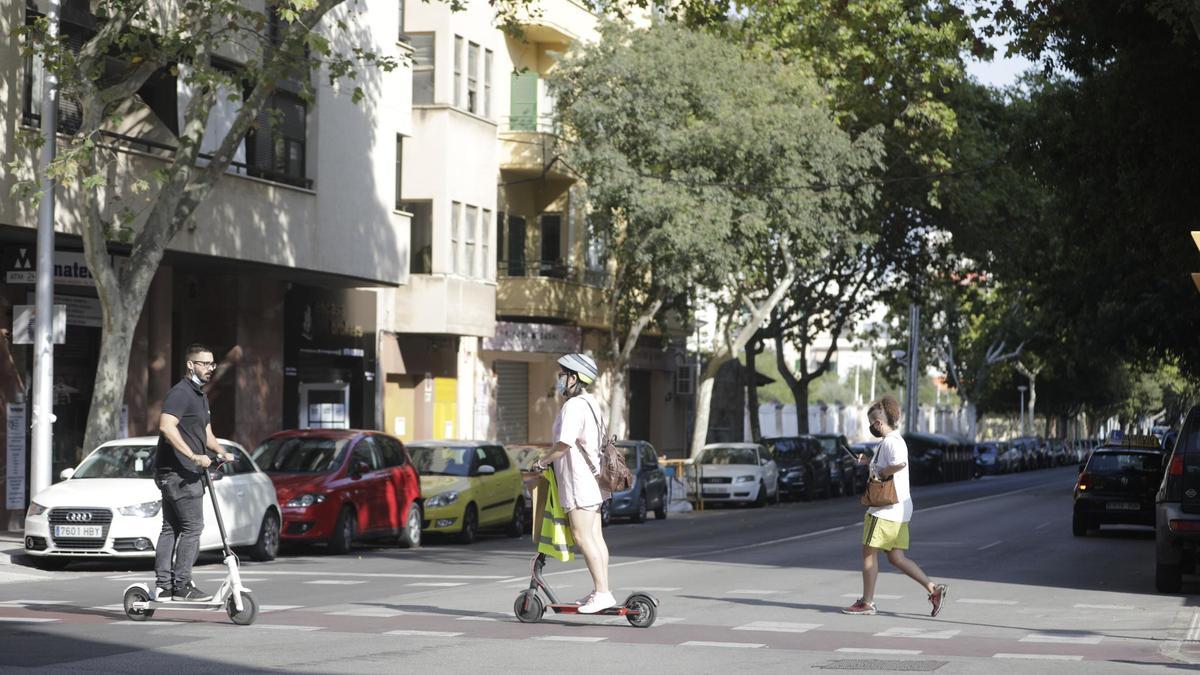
(188, 403)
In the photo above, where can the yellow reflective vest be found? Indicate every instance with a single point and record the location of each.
(555, 539)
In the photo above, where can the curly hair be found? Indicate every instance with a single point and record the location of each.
(886, 409)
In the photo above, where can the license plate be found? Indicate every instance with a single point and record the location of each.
(80, 531)
(1124, 506)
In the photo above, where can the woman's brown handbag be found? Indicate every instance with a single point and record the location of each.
(879, 493)
(614, 475)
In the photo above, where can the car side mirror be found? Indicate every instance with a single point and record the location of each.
(486, 470)
(67, 473)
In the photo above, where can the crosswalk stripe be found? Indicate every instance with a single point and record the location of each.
(1049, 638)
(865, 650)
(731, 645)
(778, 627)
(568, 638)
(336, 582)
(1040, 657)
(440, 584)
(280, 626)
(919, 633)
(21, 619)
(423, 633)
(984, 601)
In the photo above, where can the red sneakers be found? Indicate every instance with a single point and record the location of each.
(937, 597)
(860, 607)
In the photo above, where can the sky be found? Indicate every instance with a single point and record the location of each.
(1001, 71)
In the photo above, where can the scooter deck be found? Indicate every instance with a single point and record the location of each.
(619, 610)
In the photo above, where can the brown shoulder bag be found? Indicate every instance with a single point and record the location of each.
(879, 492)
(613, 475)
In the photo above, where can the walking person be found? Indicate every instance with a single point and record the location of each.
(576, 453)
(184, 440)
(886, 527)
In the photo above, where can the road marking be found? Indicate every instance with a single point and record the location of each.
(1040, 657)
(477, 618)
(143, 624)
(435, 584)
(1043, 525)
(31, 603)
(1193, 634)
(985, 601)
(18, 619)
(568, 638)
(1084, 606)
(423, 633)
(864, 650)
(877, 596)
(779, 627)
(280, 626)
(918, 633)
(278, 608)
(991, 545)
(380, 613)
(367, 575)
(660, 621)
(741, 591)
(1046, 638)
(336, 582)
(732, 645)
(108, 608)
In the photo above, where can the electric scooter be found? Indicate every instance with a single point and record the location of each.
(640, 609)
(234, 598)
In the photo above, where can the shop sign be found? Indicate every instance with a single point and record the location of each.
(70, 268)
(15, 481)
(534, 337)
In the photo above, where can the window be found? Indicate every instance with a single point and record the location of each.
(498, 458)
(239, 465)
(473, 78)
(365, 451)
(456, 237)
(402, 36)
(399, 171)
(551, 262)
(420, 255)
(485, 236)
(276, 146)
(458, 68)
(471, 226)
(422, 68)
(390, 451)
(76, 27)
(487, 83)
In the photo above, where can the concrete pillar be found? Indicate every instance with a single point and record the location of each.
(468, 366)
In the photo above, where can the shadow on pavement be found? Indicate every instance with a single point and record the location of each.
(27, 647)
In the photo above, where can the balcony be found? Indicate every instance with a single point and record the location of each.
(529, 150)
(551, 290)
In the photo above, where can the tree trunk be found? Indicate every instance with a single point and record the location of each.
(112, 371)
(753, 349)
(622, 353)
(798, 386)
(972, 414)
(704, 399)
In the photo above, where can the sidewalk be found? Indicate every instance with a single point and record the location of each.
(13, 544)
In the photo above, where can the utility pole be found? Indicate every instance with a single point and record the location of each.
(43, 338)
(914, 343)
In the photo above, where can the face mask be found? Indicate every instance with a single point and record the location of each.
(560, 385)
(196, 378)
(876, 432)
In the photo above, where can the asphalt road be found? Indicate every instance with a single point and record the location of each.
(738, 589)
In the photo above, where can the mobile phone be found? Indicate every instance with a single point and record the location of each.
(847, 451)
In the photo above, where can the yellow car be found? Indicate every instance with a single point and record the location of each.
(468, 486)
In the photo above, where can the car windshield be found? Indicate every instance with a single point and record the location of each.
(1124, 462)
(118, 461)
(721, 455)
(441, 460)
(828, 445)
(987, 451)
(631, 454)
(301, 455)
(786, 453)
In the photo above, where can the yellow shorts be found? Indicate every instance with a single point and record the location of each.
(884, 535)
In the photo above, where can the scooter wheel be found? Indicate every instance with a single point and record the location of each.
(133, 595)
(529, 607)
(645, 612)
(249, 610)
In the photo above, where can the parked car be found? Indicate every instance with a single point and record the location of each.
(1117, 485)
(1177, 510)
(844, 471)
(336, 486)
(468, 486)
(109, 506)
(991, 459)
(925, 455)
(737, 472)
(803, 473)
(649, 489)
(863, 471)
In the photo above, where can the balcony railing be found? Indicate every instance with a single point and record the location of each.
(542, 124)
(554, 269)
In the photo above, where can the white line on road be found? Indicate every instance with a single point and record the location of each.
(18, 619)
(878, 596)
(991, 545)
(919, 633)
(423, 633)
(278, 608)
(779, 627)
(732, 645)
(280, 626)
(367, 575)
(1044, 525)
(985, 601)
(568, 638)
(335, 582)
(1040, 657)
(1046, 638)
(864, 650)
(380, 613)
(156, 624)
(439, 584)
(1193, 634)
(660, 621)
(31, 603)
(1086, 606)
(477, 618)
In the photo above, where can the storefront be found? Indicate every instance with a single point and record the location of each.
(522, 361)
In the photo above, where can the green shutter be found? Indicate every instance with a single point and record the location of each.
(523, 111)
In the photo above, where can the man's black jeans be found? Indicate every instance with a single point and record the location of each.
(183, 520)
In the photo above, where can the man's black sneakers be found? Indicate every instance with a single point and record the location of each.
(192, 594)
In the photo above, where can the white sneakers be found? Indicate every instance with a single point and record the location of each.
(597, 602)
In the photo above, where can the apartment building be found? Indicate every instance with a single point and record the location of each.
(278, 273)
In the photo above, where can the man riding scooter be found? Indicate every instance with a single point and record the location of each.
(184, 441)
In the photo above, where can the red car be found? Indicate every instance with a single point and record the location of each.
(339, 485)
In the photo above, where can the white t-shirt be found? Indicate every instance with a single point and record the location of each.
(576, 427)
(892, 451)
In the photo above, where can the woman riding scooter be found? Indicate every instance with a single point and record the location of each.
(576, 450)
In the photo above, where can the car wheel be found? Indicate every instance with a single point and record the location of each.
(410, 536)
(343, 533)
(1079, 526)
(639, 516)
(470, 525)
(516, 527)
(1168, 578)
(761, 500)
(267, 546)
(51, 563)
(661, 511)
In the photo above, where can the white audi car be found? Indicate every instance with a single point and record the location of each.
(737, 472)
(109, 507)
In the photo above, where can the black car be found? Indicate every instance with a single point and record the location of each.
(836, 450)
(804, 472)
(926, 453)
(1117, 485)
(649, 489)
(1177, 509)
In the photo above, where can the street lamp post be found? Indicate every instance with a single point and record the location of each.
(1022, 389)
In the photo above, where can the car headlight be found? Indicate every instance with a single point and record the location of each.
(306, 500)
(143, 510)
(443, 499)
(744, 479)
(35, 509)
